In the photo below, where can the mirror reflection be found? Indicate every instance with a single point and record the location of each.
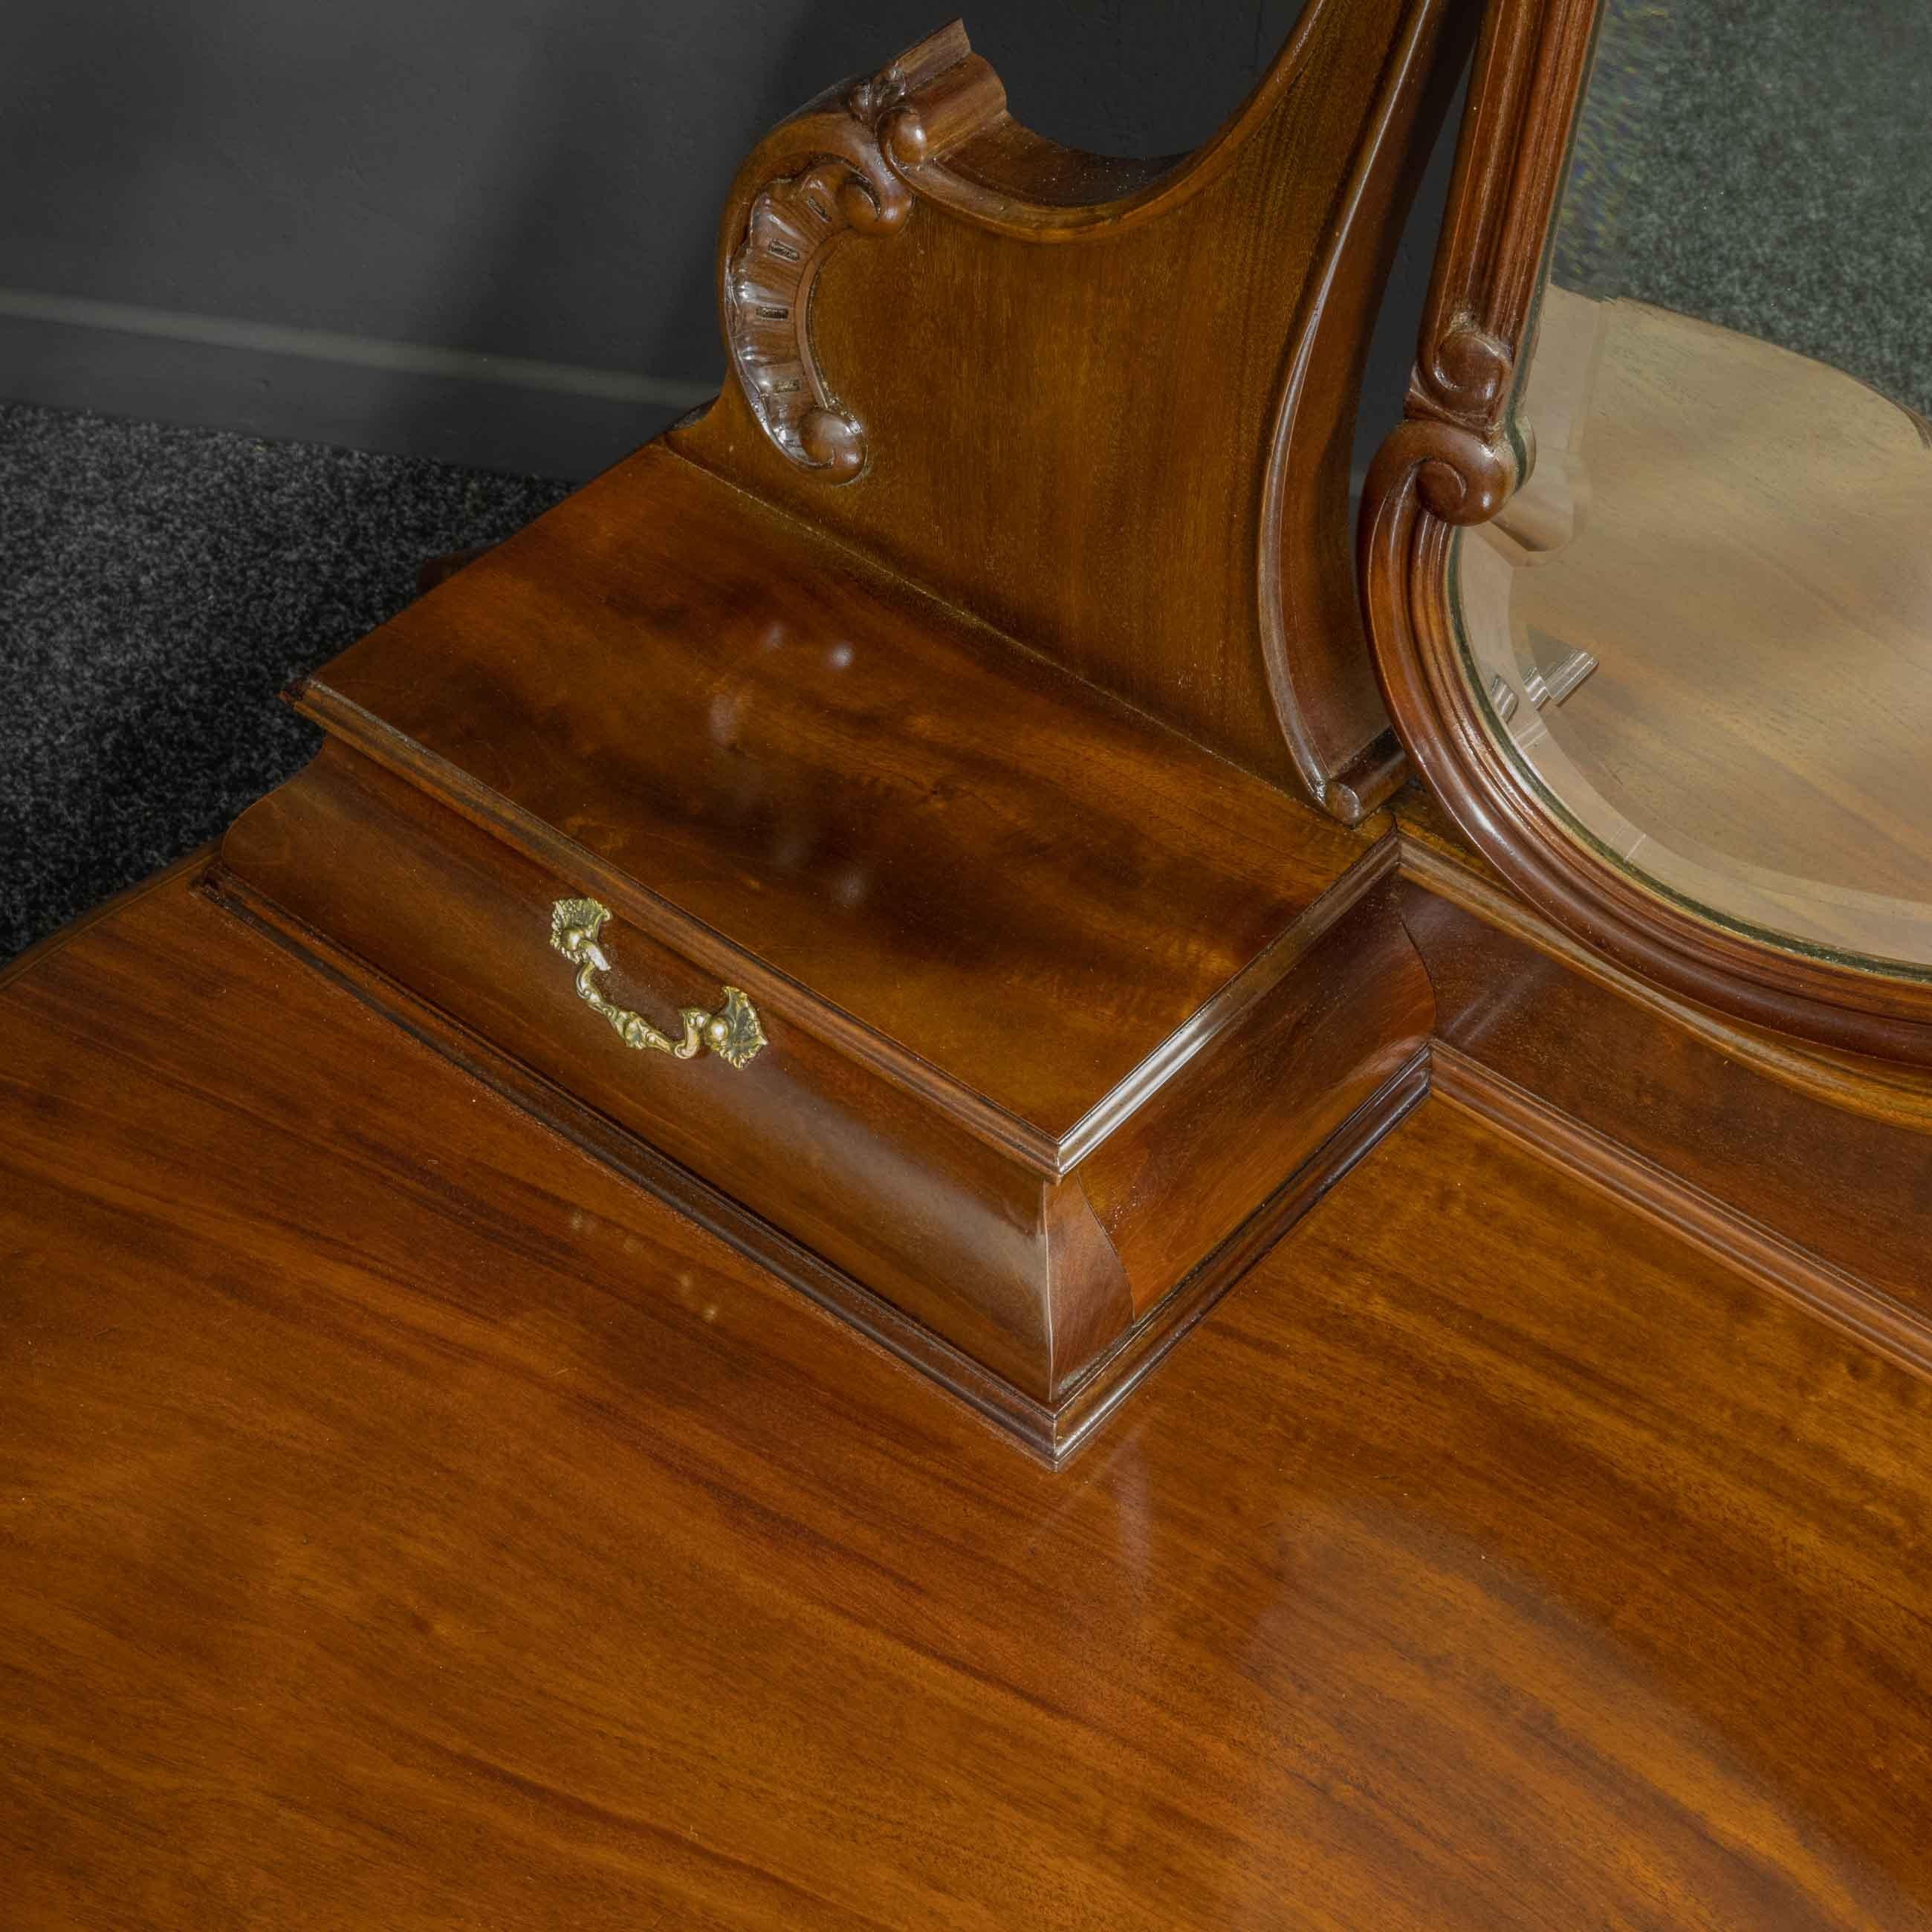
(1703, 627)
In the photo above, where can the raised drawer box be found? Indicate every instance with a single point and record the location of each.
(1044, 1017)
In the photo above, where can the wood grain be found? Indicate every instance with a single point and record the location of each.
(1054, 1430)
(408, 1523)
(1894, 1325)
(1054, 999)
(733, 729)
(1033, 1261)
(1435, 855)
(1811, 1173)
(1026, 362)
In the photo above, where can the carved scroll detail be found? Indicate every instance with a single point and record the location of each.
(874, 133)
(1455, 439)
(1466, 377)
(1461, 475)
(794, 223)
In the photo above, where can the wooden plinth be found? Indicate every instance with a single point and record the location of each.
(1060, 1015)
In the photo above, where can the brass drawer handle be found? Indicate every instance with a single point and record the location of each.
(733, 1032)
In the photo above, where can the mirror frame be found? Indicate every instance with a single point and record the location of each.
(1454, 463)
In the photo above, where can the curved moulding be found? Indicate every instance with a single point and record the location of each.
(793, 224)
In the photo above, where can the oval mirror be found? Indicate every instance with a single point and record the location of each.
(1651, 566)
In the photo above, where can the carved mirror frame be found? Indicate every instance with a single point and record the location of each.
(1454, 463)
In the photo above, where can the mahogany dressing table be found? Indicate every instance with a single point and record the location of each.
(932, 1181)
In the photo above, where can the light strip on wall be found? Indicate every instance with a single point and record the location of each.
(614, 385)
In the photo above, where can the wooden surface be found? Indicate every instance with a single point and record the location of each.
(1846, 1194)
(1014, 880)
(403, 1522)
(1107, 406)
(1001, 1261)
(1053, 1000)
(1812, 1171)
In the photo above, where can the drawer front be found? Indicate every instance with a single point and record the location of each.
(947, 1228)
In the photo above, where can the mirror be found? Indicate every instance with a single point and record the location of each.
(1701, 631)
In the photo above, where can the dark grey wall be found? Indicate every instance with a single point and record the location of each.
(477, 229)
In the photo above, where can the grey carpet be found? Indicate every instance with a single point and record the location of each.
(1766, 165)
(158, 586)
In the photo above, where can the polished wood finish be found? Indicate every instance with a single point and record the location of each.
(407, 1522)
(1330, 1040)
(1454, 463)
(887, 697)
(1433, 854)
(733, 724)
(1106, 406)
(1065, 1286)
(1835, 1207)
(1811, 1172)
(1055, 1000)
(1054, 1429)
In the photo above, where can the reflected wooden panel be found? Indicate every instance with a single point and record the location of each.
(405, 1522)
(1729, 540)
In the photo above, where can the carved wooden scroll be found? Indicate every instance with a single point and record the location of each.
(768, 308)
(795, 221)
(1104, 406)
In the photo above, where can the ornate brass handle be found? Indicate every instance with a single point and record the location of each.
(733, 1032)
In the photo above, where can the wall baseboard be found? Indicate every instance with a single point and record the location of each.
(282, 384)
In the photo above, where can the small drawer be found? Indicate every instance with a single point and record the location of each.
(964, 1237)
(1038, 1276)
